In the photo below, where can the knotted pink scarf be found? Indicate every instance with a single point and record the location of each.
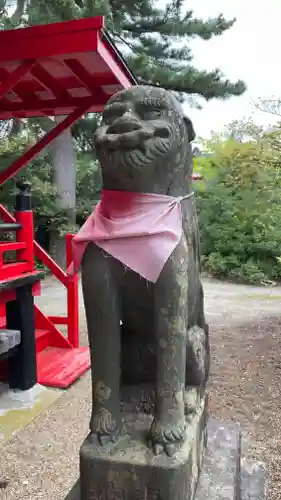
(140, 230)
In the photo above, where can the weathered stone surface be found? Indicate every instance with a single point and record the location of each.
(225, 476)
(253, 480)
(143, 145)
(147, 427)
(75, 493)
(129, 470)
(220, 477)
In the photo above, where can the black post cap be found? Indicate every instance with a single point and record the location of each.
(23, 197)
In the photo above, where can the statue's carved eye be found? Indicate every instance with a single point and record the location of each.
(150, 114)
(109, 118)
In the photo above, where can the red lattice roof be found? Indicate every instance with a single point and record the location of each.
(54, 69)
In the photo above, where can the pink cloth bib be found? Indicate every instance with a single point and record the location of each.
(140, 230)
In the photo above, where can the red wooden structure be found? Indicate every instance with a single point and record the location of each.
(68, 69)
(196, 176)
(19, 283)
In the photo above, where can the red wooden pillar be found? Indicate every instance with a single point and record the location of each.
(24, 217)
(72, 297)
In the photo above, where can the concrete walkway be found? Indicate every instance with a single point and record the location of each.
(41, 461)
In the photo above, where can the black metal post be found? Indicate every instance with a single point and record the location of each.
(23, 197)
(20, 316)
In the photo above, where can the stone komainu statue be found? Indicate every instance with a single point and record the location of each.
(145, 332)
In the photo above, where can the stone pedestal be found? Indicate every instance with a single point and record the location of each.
(129, 470)
(225, 474)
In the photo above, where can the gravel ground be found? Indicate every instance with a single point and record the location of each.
(41, 462)
(245, 383)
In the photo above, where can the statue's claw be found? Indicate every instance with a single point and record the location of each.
(167, 436)
(104, 428)
(103, 439)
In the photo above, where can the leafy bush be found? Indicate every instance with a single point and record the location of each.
(239, 210)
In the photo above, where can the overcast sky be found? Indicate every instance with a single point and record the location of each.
(250, 51)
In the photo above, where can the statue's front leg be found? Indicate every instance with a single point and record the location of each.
(169, 425)
(103, 322)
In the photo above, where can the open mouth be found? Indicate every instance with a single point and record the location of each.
(131, 135)
(123, 127)
(127, 140)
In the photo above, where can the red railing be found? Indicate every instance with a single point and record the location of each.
(71, 284)
(71, 320)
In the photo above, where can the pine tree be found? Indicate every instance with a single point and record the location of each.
(159, 52)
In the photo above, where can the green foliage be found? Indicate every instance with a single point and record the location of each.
(239, 209)
(159, 50)
(47, 212)
(83, 133)
(88, 187)
(38, 173)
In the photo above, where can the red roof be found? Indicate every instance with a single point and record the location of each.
(53, 69)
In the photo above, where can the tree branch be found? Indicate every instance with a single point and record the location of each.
(16, 17)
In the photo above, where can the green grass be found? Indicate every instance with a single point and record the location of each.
(262, 296)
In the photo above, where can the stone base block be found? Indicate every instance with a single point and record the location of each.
(128, 470)
(225, 475)
(75, 493)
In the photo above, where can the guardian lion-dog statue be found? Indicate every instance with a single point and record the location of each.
(145, 331)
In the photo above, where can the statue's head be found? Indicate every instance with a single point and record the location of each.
(143, 142)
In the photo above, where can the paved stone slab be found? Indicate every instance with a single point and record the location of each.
(219, 479)
(253, 480)
(19, 408)
(9, 339)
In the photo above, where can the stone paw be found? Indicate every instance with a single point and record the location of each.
(104, 428)
(167, 437)
(104, 439)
